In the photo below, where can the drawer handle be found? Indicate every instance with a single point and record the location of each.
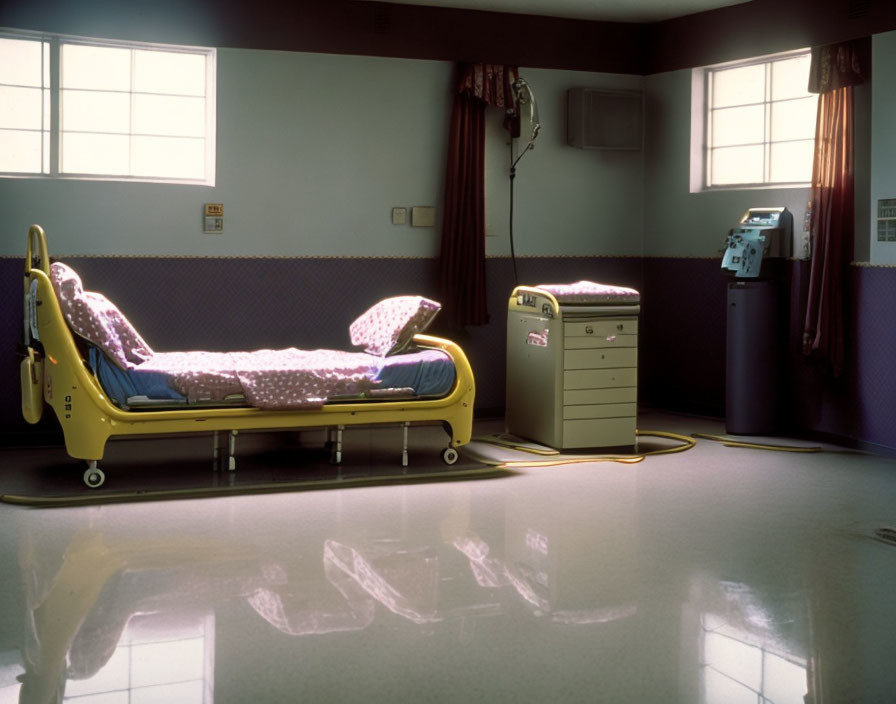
(620, 326)
(589, 330)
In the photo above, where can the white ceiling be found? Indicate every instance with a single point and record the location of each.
(606, 10)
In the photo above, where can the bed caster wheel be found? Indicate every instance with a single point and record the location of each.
(449, 455)
(94, 476)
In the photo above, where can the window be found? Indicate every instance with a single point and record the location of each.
(737, 666)
(759, 123)
(84, 108)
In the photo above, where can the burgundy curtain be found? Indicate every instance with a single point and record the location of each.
(834, 71)
(462, 257)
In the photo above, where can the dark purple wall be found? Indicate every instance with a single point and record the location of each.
(408, 31)
(246, 303)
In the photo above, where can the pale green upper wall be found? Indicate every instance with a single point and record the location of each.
(680, 223)
(314, 150)
(566, 200)
(676, 221)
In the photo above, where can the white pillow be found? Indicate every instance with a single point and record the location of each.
(95, 318)
(387, 327)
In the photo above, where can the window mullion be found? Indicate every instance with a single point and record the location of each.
(55, 109)
(767, 149)
(707, 129)
(132, 109)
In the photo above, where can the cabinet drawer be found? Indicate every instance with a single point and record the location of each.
(600, 410)
(601, 358)
(589, 341)
(605, 432)
(601, 328)
(582, 397)
(599, 378)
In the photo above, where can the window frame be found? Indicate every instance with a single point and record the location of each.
(55, 43)
(701, 127)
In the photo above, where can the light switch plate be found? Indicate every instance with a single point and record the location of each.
(423, 216)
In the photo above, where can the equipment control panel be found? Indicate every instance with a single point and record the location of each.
(762, 233)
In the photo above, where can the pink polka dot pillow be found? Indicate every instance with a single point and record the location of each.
(95, 318)
(388, 327)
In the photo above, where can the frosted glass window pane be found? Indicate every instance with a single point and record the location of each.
(166, 115)
(20, 62)
(95, 111)
(744, 125)
(784, 681)
(182, 693)
(794, 119)
(734, 658)
(163, 663)
(94, 154)
(96, 67)
(169, 72)
(792, 161)
(9, 694)
(110, 100)
(736, 165)
(790, 78)
(101, 698)
(738, 86)
(21, 107)
(114, 675)
(169, 156)
(722, 690)
(20, 152)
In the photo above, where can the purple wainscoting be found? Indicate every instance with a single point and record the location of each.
(247, 303)
(682, 345)
(182, 303)
(874, 349)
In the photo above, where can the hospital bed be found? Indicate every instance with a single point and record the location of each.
(87, 382)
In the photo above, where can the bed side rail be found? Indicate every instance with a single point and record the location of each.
(31, 367)
(36, 255)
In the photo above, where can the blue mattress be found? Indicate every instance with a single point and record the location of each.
(417, 373)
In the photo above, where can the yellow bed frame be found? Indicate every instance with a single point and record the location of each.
(55, 372)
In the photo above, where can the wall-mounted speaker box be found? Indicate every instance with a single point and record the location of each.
(602, 118)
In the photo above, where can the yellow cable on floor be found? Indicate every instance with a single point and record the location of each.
(687, 442)
(509, 442)
(728, 442)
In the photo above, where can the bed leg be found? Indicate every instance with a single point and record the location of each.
(231, 451)
(336, 447)
(404, 444)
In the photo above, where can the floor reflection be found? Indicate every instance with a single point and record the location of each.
(601, 584)
(746, 652)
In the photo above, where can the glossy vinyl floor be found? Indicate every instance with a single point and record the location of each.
(718, 575)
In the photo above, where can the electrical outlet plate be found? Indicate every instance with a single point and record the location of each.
(399, 216)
